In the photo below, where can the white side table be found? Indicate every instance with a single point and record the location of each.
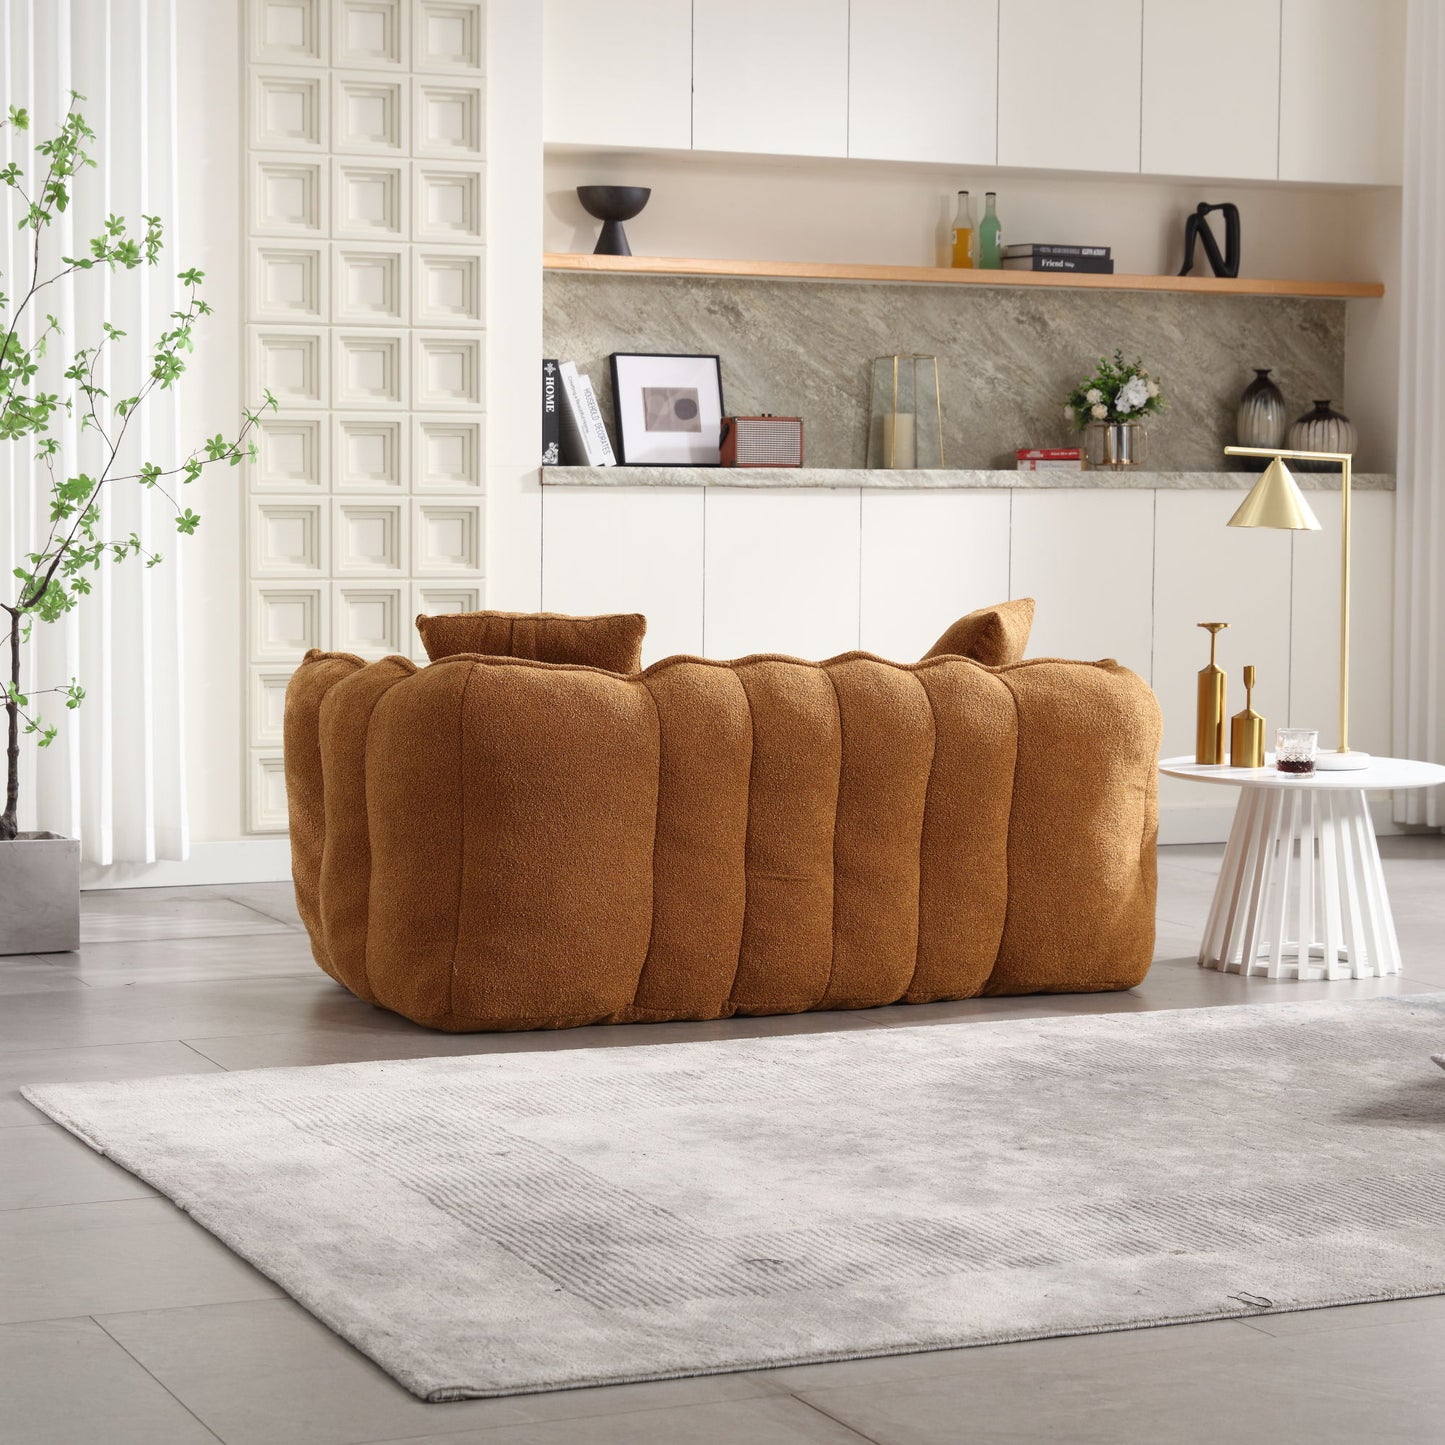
(1301, 893)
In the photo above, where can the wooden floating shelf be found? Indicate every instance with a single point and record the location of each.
(946, 276)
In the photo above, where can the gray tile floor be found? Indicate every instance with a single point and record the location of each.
(122, 1323)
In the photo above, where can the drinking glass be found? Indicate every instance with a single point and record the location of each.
(1295, 751)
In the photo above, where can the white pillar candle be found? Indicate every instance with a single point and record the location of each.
(898, 445)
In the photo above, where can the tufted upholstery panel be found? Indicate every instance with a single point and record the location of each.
(498, 843)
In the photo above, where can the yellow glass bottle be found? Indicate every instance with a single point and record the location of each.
(961, 238)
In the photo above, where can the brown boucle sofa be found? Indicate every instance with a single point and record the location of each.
(498, 843)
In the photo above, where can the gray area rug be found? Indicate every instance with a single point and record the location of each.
(514, 1222)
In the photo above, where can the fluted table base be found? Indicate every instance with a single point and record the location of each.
(1301, 893)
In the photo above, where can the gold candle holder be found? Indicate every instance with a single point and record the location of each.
(1246, 730)
(905, 428)
(1209, 730)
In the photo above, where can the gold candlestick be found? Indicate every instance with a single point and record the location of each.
(1246, 730)
(1209, 731)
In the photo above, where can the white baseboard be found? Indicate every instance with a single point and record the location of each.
(245, 860)
(1209, 822)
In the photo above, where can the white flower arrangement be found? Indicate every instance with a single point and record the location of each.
(1118, 391)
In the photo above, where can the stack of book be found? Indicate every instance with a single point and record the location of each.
(1036, 256)
(1050, 459)
(573, 432)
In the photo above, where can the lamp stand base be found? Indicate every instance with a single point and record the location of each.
(1337, 762)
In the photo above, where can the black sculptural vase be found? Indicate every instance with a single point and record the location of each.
(1196, 228)
(612, 205)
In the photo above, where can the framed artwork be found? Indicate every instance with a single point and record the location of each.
(669, 409)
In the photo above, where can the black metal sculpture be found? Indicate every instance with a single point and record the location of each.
(1196, 228)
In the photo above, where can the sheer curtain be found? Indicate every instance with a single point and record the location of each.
(115, 774)
(1420, 499)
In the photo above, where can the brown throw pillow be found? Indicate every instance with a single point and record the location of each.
(613, 642)
(994, 636)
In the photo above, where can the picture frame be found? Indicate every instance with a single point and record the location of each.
(668, 408)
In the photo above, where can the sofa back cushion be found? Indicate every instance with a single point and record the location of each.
(612, 642)
(994, 636)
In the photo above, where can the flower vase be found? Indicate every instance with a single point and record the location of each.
(1115, 445)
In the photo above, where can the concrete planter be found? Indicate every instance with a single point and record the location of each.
(39, 894)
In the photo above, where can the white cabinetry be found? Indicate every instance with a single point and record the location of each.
(1068, 84)
(923, 80)
(1121, 573)
(1315, 653)
(1211, 88)
(1341, 107)
(618, 74)
(770, 76)
(627, 549)
(1087, 557)
(927, 559)
(781, 571)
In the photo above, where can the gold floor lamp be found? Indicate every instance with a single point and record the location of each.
(1275, 500)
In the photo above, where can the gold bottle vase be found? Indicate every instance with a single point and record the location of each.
(1246, 730)
(1209, 730)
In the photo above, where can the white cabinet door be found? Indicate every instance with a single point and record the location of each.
(770, 76)
(1211, 88)
(1208, 571)
(928, 559)
(781, 571)
(1068, 84)
(1315, 685)
(627, 549)
(1087, 558)
(1341, 104)
(618, 74)
(923, 81)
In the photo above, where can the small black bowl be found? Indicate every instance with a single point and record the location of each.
(612, 205)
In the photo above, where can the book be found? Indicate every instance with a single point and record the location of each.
(1094, 265)
(597, 427)
(584, 440)
(1041, 248)
(1049, 454)
(551, 417)
(1077, 465)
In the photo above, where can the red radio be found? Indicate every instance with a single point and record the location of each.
(762, 441)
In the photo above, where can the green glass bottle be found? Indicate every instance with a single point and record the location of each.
(990, 236)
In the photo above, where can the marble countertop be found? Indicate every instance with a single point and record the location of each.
(939, 479)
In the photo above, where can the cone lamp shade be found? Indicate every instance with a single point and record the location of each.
(1275, 500)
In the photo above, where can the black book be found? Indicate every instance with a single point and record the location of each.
(551, 416)
(1038, 248)
(1094, 265)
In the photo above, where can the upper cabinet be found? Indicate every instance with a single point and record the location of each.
(1341, 109)
(923, 81)
(1211, 88)
(618, 74)
(1068, 84)
(770, 76)
(1294, 90)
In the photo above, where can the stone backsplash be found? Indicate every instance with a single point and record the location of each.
(1006, 357)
